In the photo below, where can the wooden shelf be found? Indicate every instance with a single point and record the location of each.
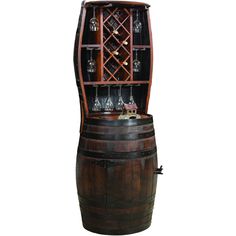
(115, 82)
(91, 46)
(141, 46)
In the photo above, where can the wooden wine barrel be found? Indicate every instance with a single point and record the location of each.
(116, 174)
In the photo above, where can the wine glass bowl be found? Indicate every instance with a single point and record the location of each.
(120, 103)
(137, 66)
(93, 23)
(131, 98)
(91, 64)
(137, 27)
(136, 63)
(97, 105)
(109, 106)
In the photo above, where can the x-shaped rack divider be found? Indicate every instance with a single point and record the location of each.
(121, 26)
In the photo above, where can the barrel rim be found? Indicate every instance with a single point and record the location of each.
(130, 122)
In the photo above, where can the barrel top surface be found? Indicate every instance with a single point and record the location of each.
(89, 3)
(112, 120)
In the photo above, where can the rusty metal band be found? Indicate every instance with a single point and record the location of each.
(130, 136)
(117, 155)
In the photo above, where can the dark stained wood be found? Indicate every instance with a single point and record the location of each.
(118, 130)
(78, 59)
(141, 46)
(131, 44)
(116, 192)
(81, 116)
(119, 3)
(151, 62)
(116, 82)
(91, 46)
(101, 43)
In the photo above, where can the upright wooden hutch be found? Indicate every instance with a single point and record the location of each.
(113, 61)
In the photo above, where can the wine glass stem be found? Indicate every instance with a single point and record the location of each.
(108, 91)
(131, 91)
(91, 55)
(120, 91)
(94, 13)
(96, 92)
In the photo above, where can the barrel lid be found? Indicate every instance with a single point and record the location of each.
(102, 120)
(89, 3)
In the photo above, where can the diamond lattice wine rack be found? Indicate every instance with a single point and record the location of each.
(117, 166)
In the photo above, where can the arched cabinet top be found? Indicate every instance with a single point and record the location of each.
(101, 3)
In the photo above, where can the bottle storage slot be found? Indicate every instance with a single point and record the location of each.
(110, 98)
(92, 29)
(140, 27)
(141, 64)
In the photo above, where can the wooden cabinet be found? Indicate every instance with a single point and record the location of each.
(117, 167)
(122, 55)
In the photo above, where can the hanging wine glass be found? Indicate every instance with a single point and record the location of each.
(131, 98)
(97, 105)
(137, 24)
(136, 63)
(109, 106)
(119, 105)
(93, 23)
(91, 65)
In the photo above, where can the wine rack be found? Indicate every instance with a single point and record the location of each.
(116, 44)
(115, 47)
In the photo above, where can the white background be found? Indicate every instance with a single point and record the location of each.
(193, 103)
